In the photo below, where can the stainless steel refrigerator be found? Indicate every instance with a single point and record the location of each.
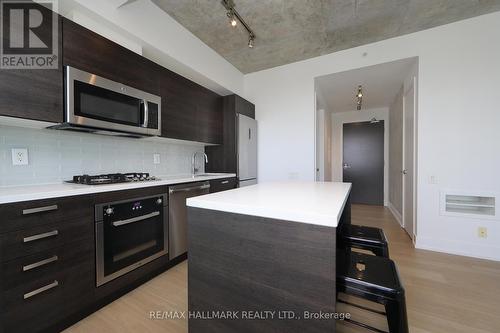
(247, 150)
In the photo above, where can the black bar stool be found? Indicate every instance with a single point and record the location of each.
(365, 238)
(375, 279)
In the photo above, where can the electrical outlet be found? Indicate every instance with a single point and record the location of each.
(482, 232)
(156, 159)
(19, 156)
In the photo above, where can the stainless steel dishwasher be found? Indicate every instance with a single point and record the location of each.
(177, 214)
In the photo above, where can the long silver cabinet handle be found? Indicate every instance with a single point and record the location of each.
(225, 182)
(40, 209)
(40, 236)
(135, 219)
(41, 290)
(40, 263)
(187, 189)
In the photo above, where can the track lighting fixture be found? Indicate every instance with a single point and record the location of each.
(234, 17)
(359, 97)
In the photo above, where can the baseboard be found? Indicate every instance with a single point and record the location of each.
(396, 214)
(457, 248)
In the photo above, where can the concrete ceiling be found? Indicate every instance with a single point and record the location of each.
(381, 83)
(293, 30)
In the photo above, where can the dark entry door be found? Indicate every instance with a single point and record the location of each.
(363, 161)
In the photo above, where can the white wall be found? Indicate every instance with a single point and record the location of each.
(458, 121)
(341, 118)
(162, 39)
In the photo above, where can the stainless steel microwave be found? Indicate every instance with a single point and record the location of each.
(96, 104)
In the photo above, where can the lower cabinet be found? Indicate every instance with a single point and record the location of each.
(47, 267)
(42, 290)
(225, 184)
(48, 260)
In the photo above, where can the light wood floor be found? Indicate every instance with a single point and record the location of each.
(444, 293)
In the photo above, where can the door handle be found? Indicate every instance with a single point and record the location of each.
(404, 172)
(145, 114)
(40, 209)
(346, 166)
(40, 236)
(41, 290)
(40, 263)
(187, 189)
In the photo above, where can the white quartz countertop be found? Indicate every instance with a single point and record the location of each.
(12, 194)
(319, 203)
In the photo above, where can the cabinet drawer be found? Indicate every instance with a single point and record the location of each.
(22, 243)
(225, 184)
(28, 214)
(35, 267)
(36, 306)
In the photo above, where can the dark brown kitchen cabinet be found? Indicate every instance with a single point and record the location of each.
(189, 111)
(35, 94)
(219, 185)
(46, 262)
(93, 53)
(223, 158)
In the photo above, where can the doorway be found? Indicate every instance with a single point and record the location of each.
(363, 161)
(378, 158)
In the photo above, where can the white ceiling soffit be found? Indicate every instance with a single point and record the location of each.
(381, 83)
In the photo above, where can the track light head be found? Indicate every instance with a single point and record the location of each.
(250, 42)
(232, 18)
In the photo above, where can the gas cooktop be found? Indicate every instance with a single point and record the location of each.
(112, 178)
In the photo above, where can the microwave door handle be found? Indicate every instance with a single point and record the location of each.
(145, 114)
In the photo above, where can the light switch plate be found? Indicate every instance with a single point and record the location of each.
(20, 156)
(156, 159)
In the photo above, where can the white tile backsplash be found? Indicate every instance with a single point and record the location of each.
(55, 156)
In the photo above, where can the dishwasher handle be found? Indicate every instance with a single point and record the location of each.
(189, 189)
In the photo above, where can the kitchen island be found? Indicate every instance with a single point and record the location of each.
(262, 258)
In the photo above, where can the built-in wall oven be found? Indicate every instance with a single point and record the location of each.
(97, 104)
(129, 234)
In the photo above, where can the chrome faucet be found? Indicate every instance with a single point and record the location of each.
(193, 162)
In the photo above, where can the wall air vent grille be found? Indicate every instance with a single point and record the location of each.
(480, 206)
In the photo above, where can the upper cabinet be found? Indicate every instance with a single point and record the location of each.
(189, 111)
(35, 94)
(223, 158)
(90, 52)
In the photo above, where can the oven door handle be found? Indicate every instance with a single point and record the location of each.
(135, 219)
